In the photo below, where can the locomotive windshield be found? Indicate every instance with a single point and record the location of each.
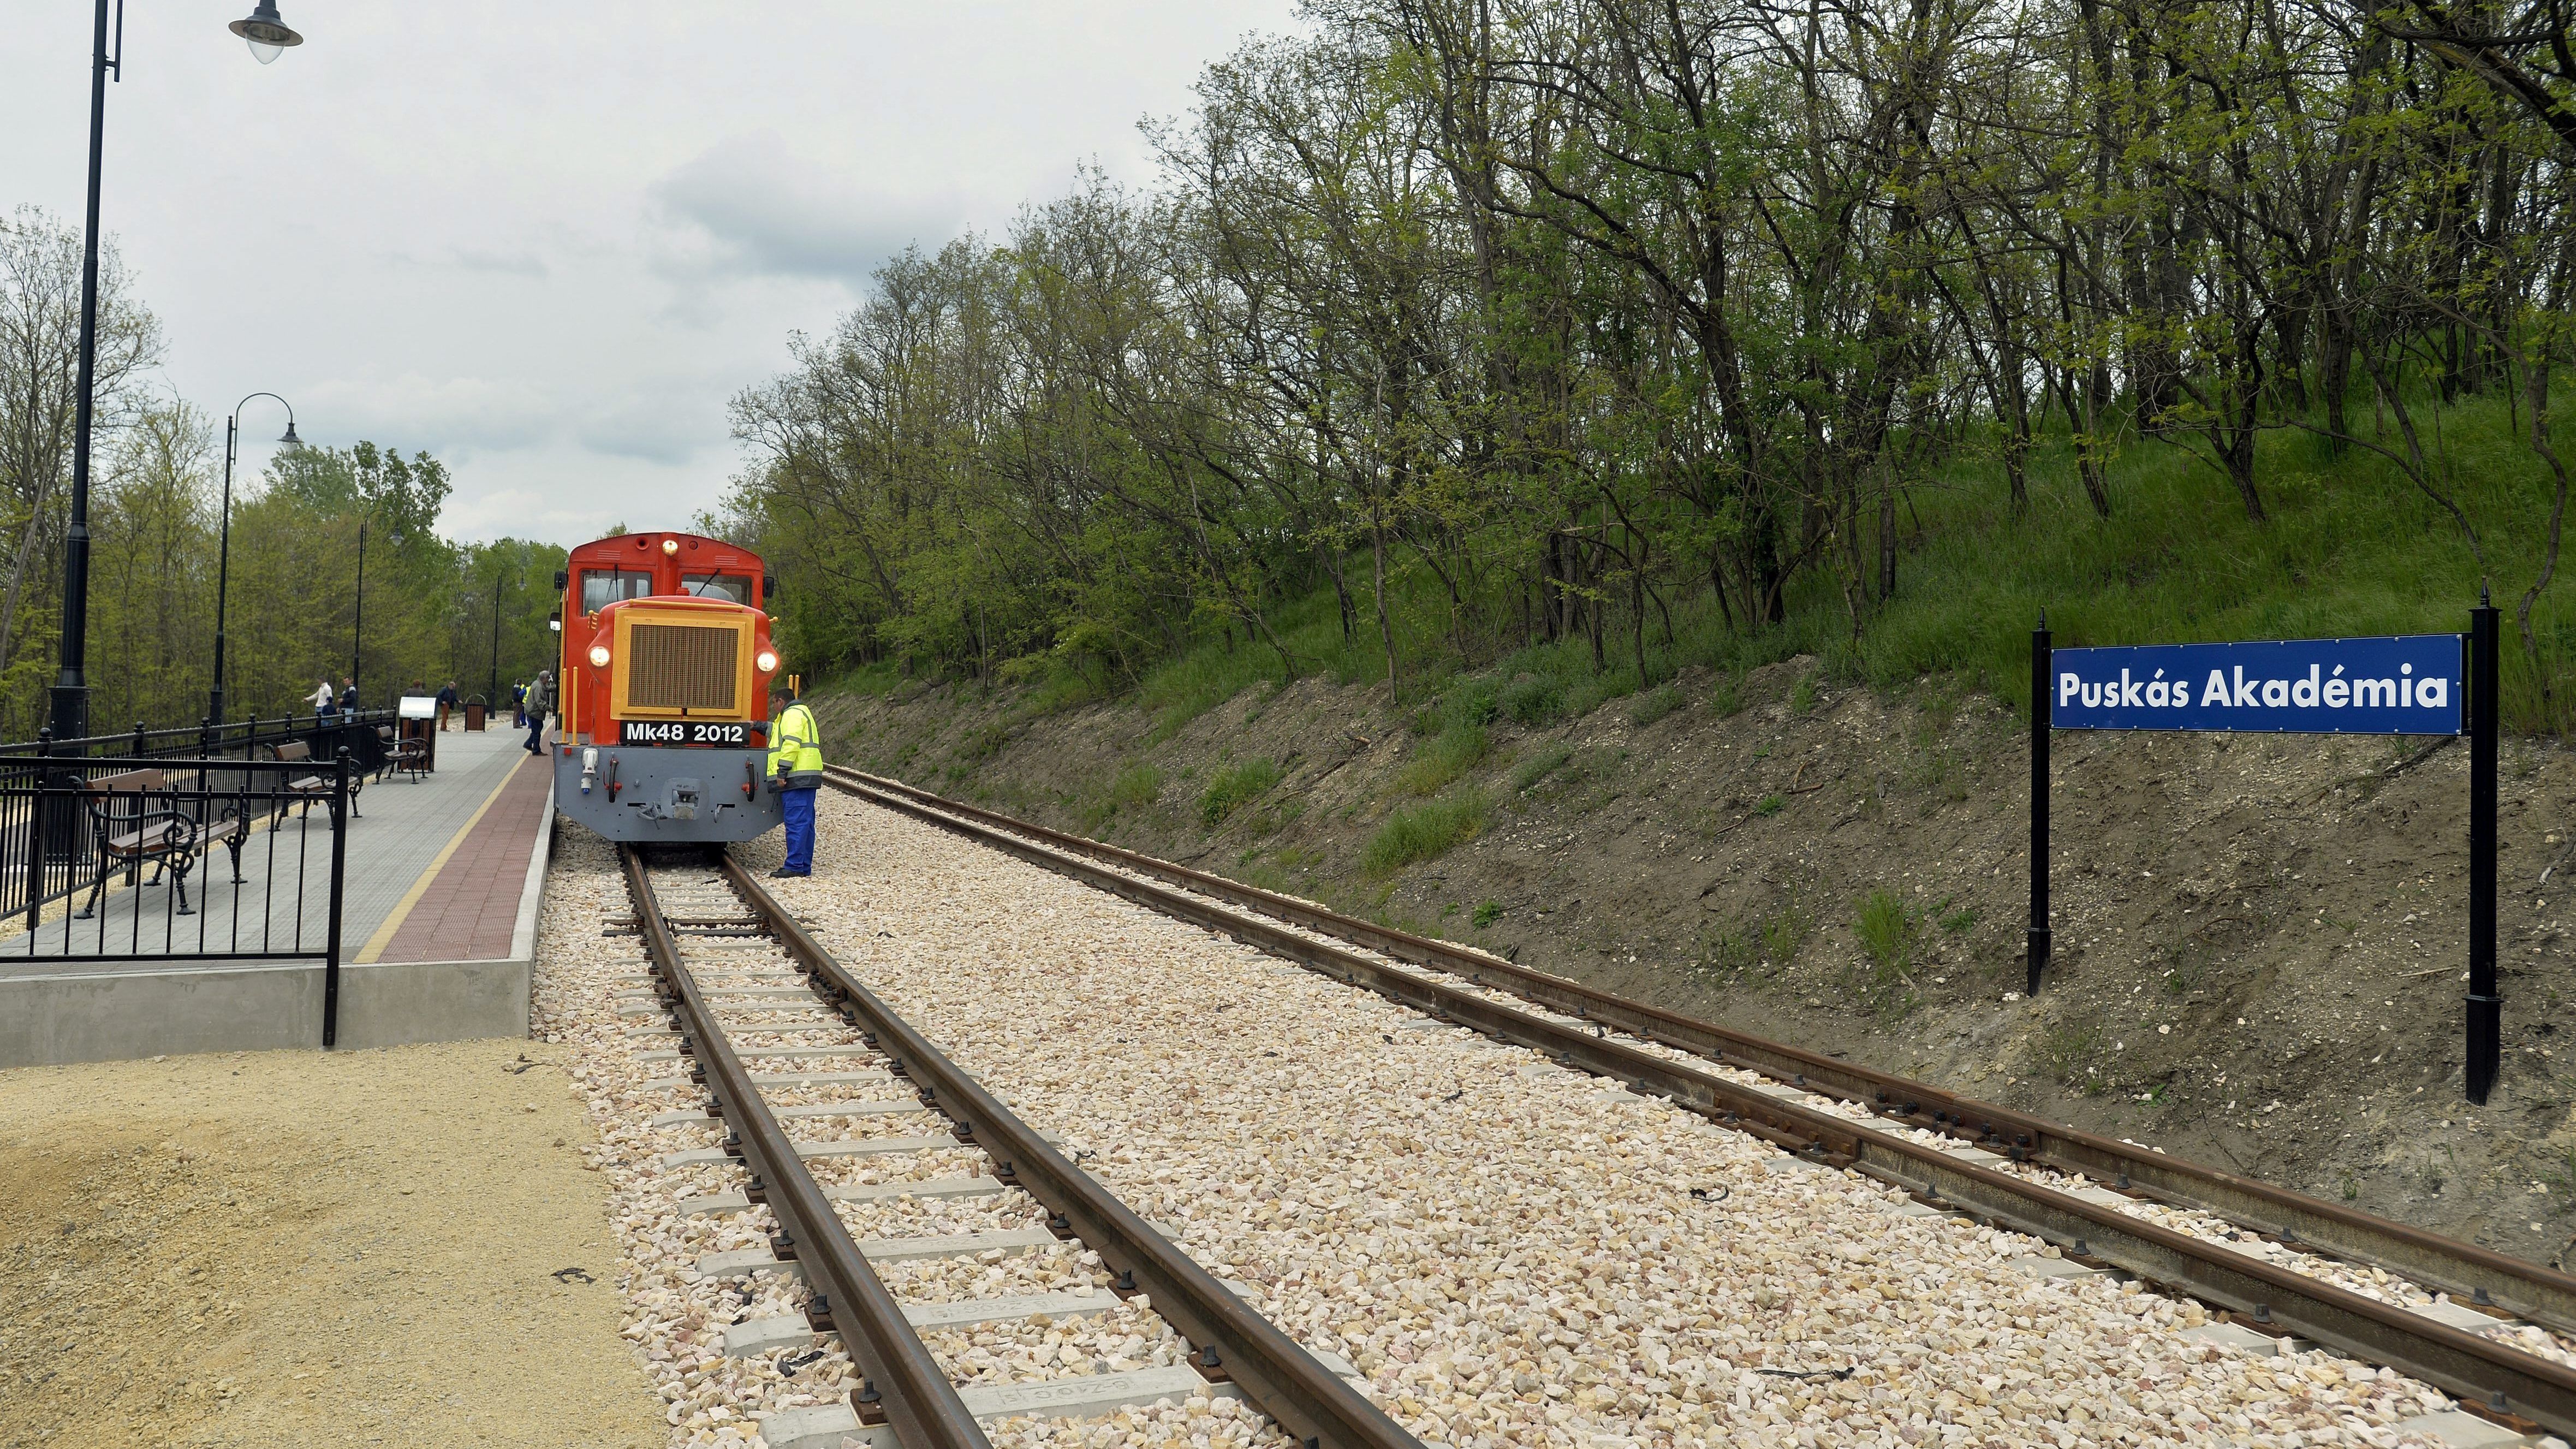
(603, 587)
(732, 587)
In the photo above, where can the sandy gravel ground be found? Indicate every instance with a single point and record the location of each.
(301, 1248)
(1512, 1255)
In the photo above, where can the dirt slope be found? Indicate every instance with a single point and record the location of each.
(2261, 941)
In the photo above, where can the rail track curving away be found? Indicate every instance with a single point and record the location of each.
(2283, 1269)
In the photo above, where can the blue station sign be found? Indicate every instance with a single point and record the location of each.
(2387, 685)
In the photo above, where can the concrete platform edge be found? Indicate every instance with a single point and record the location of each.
(532, 896)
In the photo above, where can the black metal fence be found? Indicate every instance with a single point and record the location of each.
(184, 847)
(207, 755)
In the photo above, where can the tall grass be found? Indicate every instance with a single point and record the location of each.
(1449, 754)
(1425, 832)
(1235, 787)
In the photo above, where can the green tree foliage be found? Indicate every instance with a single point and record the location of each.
(435, 610)
(1575, 316)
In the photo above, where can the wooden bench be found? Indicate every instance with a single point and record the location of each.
(312, 787)
(409, 756)
(128, 836)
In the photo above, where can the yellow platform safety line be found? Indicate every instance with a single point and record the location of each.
(384, 935)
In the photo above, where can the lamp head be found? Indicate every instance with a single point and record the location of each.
(290, 440)
(267, 34)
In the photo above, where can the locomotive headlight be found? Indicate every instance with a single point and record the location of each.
(766, 660)
(599, 656)
(670, 545)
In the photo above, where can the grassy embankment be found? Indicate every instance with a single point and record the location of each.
(2352, 547)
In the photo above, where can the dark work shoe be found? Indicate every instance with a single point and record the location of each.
(790, 874)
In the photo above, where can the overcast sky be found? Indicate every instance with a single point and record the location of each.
(548, 241)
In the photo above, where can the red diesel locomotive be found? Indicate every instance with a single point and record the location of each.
(664, 690)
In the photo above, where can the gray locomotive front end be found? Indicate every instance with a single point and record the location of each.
(670, 796)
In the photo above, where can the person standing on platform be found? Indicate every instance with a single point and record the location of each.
(519, 705)
(446, 704)
(348, 695)
(324, 702)
(540, 699)
(796, 771)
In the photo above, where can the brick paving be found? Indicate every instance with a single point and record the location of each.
(470, 908)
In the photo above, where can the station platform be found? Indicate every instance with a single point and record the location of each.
(440, 891)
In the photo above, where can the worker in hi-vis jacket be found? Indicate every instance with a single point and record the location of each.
(795, 770)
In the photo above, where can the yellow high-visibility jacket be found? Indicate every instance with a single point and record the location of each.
(796, 748)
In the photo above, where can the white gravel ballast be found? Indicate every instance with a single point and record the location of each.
(671, 1208)
(1510, 1253)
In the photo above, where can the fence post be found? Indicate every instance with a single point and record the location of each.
(206, 737)
(2037, 937)
(2485, 1006)
(141, 745)
(36, 833)
(339, 863)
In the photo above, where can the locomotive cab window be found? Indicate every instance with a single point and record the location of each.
(603, 587)
(733, 587)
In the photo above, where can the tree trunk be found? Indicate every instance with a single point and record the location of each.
(1377, 558)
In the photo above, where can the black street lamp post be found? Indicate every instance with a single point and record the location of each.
(494, 695)
(268, 36)
(224, 548)
(358, 631)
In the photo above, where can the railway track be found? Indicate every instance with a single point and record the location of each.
(728, 964)
(2280, 1266)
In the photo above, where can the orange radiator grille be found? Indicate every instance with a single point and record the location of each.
(682, 666)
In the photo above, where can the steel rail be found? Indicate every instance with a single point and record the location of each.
(1281, 1378)
(2491, 1376)
(2466, 1270)
(919, 1402)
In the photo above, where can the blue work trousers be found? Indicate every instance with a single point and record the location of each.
(799, 805)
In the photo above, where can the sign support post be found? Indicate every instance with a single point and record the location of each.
(2485, 1006)
(2418, 684)
(2036, 937)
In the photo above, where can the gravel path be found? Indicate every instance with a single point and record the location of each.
(1512, 1254)
(675, 1321)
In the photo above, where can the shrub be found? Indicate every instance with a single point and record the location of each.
(1728, 697)
(1771, 805)
(1538, 767)
(1422, 833)
(1887, 929)
(1233, 787)
(1136, 785)
(1655, 703)
(983, 743)
(1475, 704)
(1533, 700)
(1453, 752)
(1488, 912)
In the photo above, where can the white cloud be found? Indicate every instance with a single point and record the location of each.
(763, 210)
(549, 242)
